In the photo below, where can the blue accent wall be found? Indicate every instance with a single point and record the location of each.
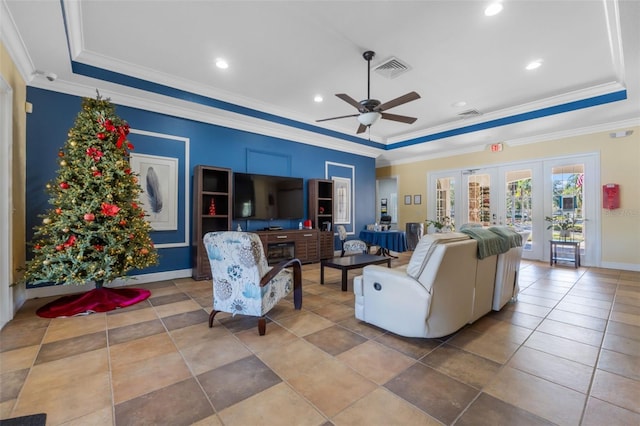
(54, 114)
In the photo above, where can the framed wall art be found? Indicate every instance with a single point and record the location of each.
(158, 177)
(342, 200)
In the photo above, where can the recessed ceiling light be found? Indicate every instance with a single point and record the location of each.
(534, 64)
(458, 104)
(222, 64)
(493, 9)
(317, 98)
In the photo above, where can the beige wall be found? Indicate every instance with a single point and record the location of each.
(11, 75)
(619, 163)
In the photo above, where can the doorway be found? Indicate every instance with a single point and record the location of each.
(571, 197)
(387, 199)
(522, 195)
(6, 203)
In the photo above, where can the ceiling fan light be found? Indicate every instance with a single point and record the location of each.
(368, 118)
(493, 9)
(222, 63)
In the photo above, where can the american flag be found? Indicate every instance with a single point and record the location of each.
(580, 180)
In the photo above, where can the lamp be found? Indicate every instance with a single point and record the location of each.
(368, 118)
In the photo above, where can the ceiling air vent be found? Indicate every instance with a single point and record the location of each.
(391, 68)
(470, 113)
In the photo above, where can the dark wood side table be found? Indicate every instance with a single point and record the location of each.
(347, 263)
(553, 255)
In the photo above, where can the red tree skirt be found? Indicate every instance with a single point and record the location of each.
(101, 299)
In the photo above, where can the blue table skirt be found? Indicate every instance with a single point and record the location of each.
(391, 240)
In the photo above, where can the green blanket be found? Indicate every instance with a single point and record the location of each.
(510, 237)
(489, 243)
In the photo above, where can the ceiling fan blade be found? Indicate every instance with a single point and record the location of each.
(411, 96)
(400, 118)
(335, 118)
(361, 129)
(348, 99)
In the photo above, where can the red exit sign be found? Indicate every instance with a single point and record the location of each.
(496, 147)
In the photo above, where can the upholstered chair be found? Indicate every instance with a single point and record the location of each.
(243, 281)
(350, 246)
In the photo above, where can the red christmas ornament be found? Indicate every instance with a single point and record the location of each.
(59, 247)
(109, 125)
(64, 185)
(97, 173)
(94, 153)
(101, 136)
(123, 222)
(70, 241)
(212, 208)
(89, 217)
(59, 210)
(144, 251)
(60, 154)
(110, 209)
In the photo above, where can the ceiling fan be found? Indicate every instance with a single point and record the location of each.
(370, 110)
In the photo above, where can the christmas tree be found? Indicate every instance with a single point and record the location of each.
(95, 229)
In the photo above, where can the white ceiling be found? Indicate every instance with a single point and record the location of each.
(283, 53)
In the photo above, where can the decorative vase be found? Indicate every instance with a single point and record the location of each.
(212, 208)
(564, 234)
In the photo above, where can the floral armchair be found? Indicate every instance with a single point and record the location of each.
(243, 282)
(348, 246)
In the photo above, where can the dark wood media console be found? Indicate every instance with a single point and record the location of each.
(304, 242)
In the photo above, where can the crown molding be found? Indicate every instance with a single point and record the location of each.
(162, 104)
(563, 134)
(14, 44)
(425, 157)
(576, 95)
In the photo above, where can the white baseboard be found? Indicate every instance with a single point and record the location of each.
(59, 290)
(623, 266)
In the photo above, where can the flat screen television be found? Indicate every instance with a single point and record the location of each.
(265, 197)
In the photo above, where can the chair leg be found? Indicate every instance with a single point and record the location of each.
(211, 315)
(262, 326)
(297, 288)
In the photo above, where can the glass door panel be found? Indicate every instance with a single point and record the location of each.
(479, 206)
(571, 195)
(567, 220)
(445, 200)
(519, 203)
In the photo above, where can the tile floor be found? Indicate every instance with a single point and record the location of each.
(568, 352)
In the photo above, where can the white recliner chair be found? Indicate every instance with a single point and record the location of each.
(444, 286)
(507, 287)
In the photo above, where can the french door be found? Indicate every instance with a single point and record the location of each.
(520, 204)
(571, 193)
(522, 195)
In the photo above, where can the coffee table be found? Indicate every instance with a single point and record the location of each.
(347, 263)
